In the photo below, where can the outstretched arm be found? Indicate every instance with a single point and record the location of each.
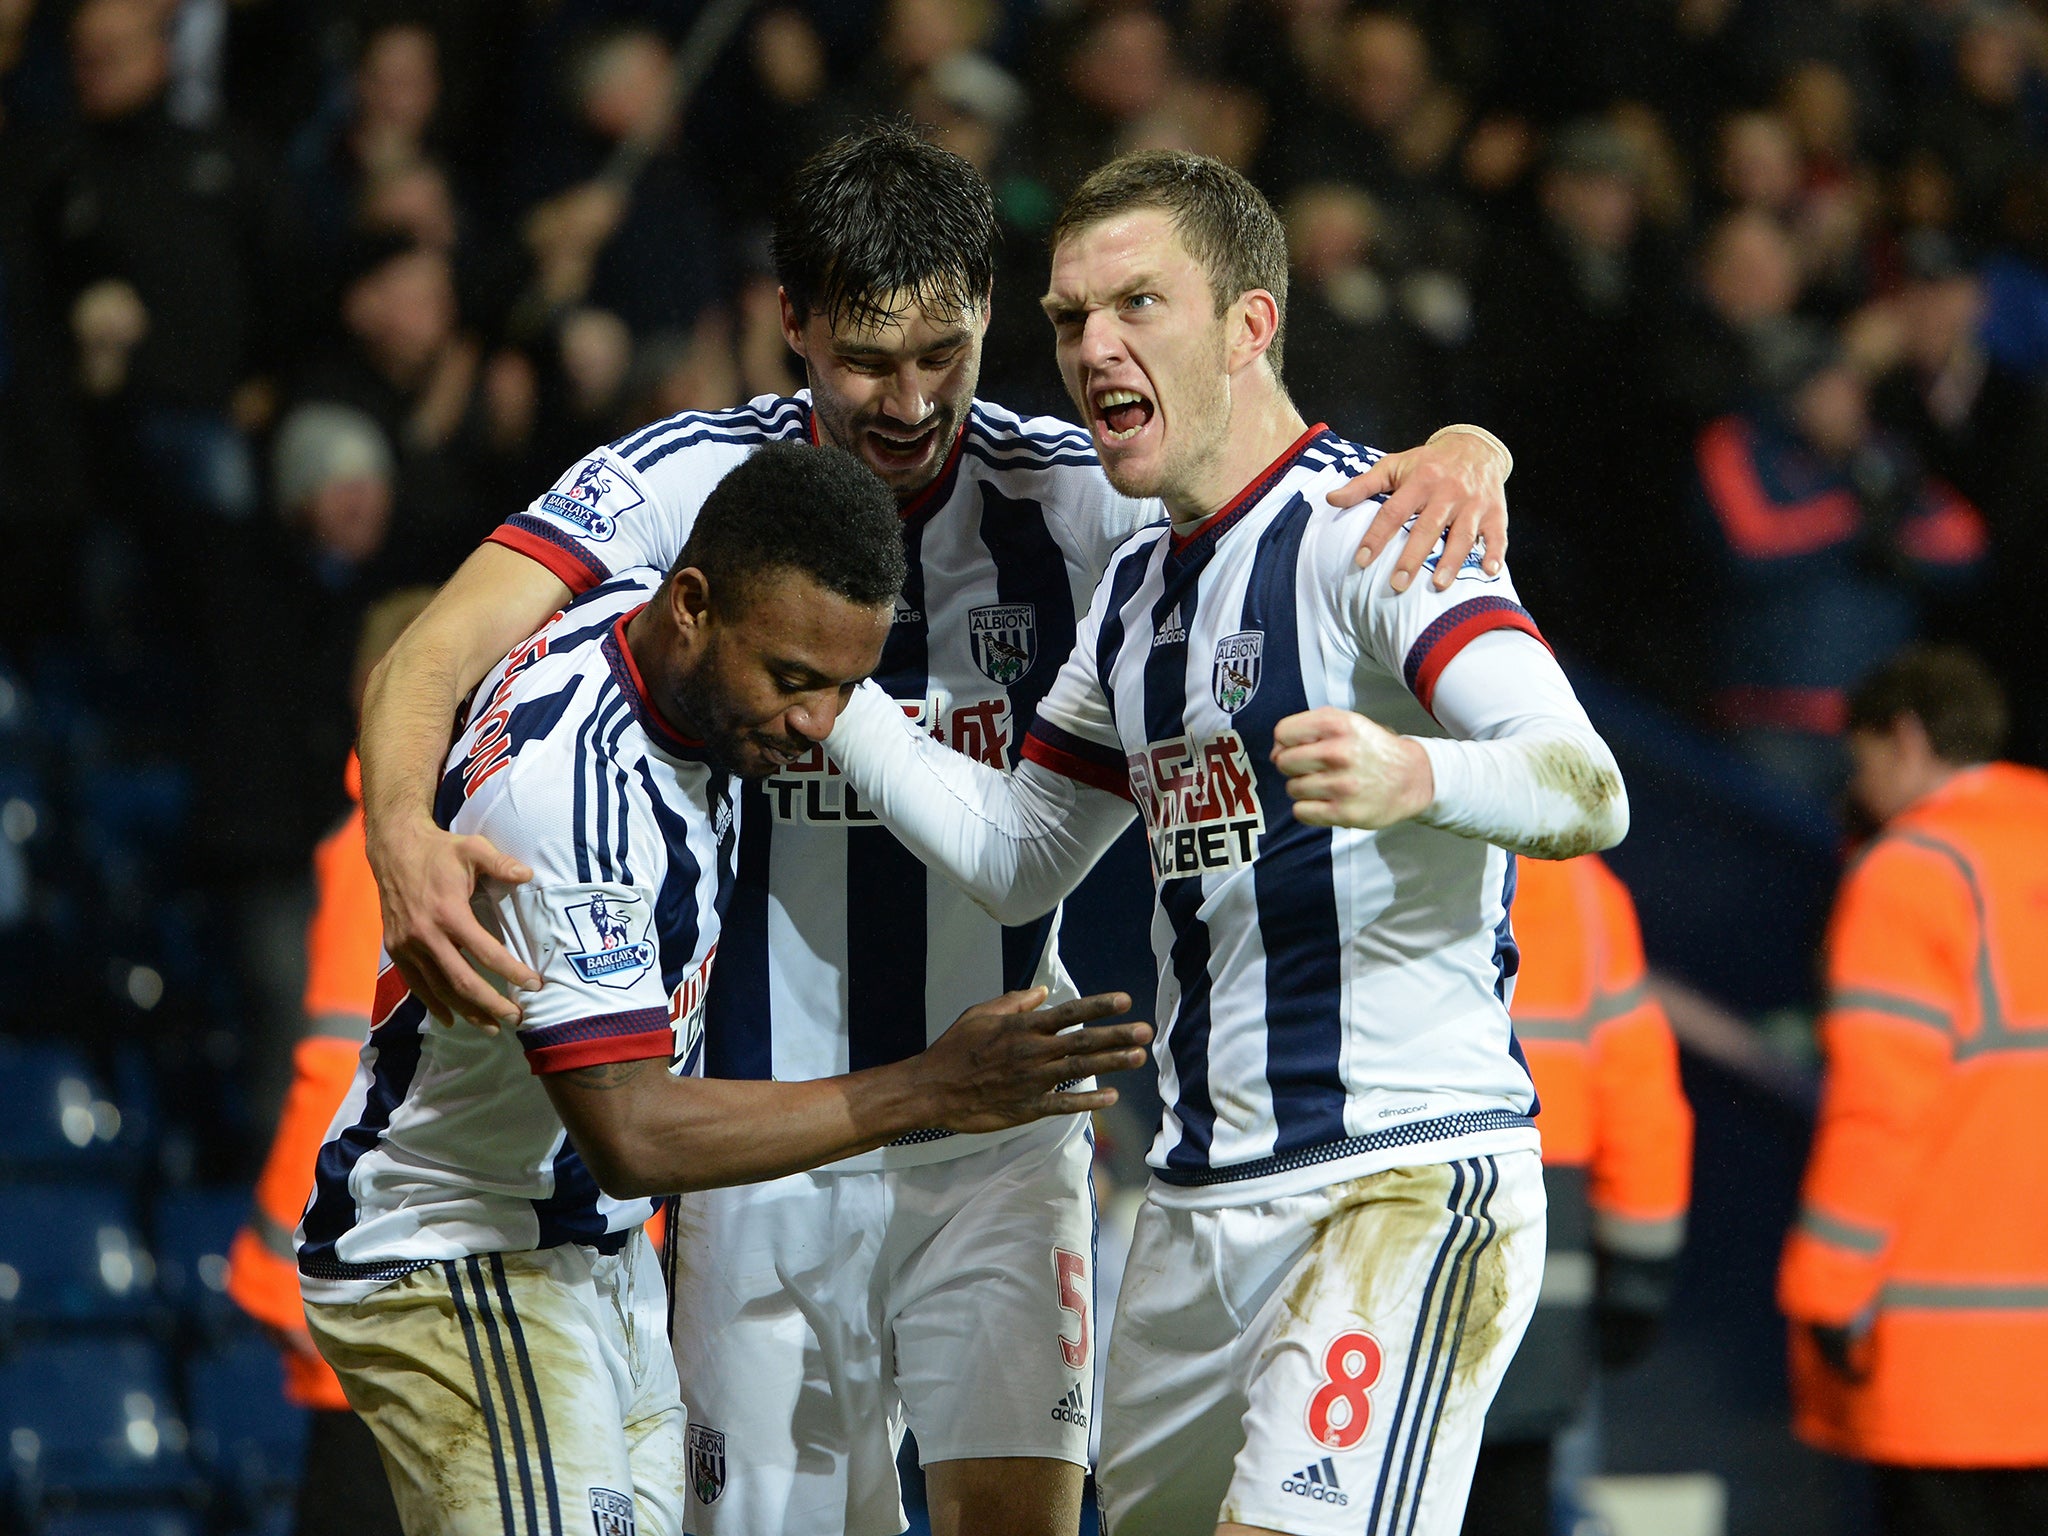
(645, 1132)
(425, 876)
(1017, 843)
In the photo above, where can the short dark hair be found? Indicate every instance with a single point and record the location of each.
(1224, 221)
(789, 506)
(1949, 691)
(879, 216)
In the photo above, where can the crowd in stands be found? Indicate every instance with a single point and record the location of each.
(299, 298)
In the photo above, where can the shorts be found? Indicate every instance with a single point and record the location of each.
(1321, 1363)
(815, 1314)
(519, 1394)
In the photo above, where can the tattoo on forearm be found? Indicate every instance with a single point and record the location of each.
(607, 1075)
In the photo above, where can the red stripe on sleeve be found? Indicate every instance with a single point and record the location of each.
(1444, 648)
(575, 574)
(571, 1054)
(1080, 769)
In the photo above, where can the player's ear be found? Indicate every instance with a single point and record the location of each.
(1254, 322)
(792, 327)
(689, 598)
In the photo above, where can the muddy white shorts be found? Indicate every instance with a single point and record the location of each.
(1319, 1364)
(814, 1314)
(519, 1394)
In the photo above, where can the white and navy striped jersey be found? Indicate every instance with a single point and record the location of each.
(447, 1144)
(841, 950)
(1331, 1001)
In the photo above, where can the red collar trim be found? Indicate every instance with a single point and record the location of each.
(628, 673)
(1251, 493)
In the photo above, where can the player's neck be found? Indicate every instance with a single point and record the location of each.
(657, 656)
(1263, 425)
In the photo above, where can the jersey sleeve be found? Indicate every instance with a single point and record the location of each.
(587, 926)
(1074, 732)
(619, 507)
(1417, 633)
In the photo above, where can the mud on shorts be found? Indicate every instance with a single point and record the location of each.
(1319, 1364)
(816, 1313)
(519, 1394)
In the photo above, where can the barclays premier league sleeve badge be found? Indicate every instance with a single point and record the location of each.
(591, 498)
(612, 946)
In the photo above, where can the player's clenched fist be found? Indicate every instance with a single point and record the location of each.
(1002, 1062)
(1344, 770)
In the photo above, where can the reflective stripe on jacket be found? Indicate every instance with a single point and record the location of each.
(1921, 1223)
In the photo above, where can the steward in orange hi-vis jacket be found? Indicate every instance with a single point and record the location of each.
(1617, 1167)
(1916, 1276)
(343, 1491)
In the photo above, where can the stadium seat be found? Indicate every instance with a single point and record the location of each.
(190, 1232)
(149, 1520)
(55, 1116)
(68, 1255)
(92, 1420)
(243, 1430)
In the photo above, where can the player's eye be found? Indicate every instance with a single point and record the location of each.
(1141, 301)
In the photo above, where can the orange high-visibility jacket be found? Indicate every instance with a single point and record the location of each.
(1617, 1132)
(1602, 1054)
(343, 944)
(1923, 1224)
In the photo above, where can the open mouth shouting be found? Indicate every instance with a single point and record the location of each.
(896, 451)
(1121, 414)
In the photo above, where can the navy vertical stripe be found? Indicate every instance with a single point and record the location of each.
(1109, 640)
(1294, 878)
(510, 1403)
(738, 1042)
(1428, 1318)
(885, 881)
(623, 842)
(483, 1394)
(1030, 568)
(333, 1210)
(535, 1411)
(1187, 1037)
(1484, 1230)
(675, 907)
(1507, 964)
(571, 1214)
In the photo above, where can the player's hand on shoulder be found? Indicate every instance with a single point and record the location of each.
(1002, 1062)
(425, 878)
(1344, 770)
(1455, 488)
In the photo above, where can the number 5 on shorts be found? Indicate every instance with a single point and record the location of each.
(1341, 1407)
(1072, 1271)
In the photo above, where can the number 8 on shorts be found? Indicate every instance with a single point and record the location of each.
(1341, 1408)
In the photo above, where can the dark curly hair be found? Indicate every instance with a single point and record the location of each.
(881, 216)
(792, 507)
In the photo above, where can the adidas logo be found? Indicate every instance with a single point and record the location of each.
(1318, 1481)
(1171, 631)
(1071, 1409)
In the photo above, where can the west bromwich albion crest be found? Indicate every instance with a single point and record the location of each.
(1236, 675)
(707, 1463)
(612, 930)
(1004, 638)
(611, 1512)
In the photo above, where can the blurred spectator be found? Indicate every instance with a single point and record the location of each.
(1357, 353)
(643, 243)
(1916, 1280)
(1563, 323)
(1981, 130)
(176, 337)
(381, 125)
(1827, 533)
(1738, 322)
(405, 362)
(1617, 1169)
